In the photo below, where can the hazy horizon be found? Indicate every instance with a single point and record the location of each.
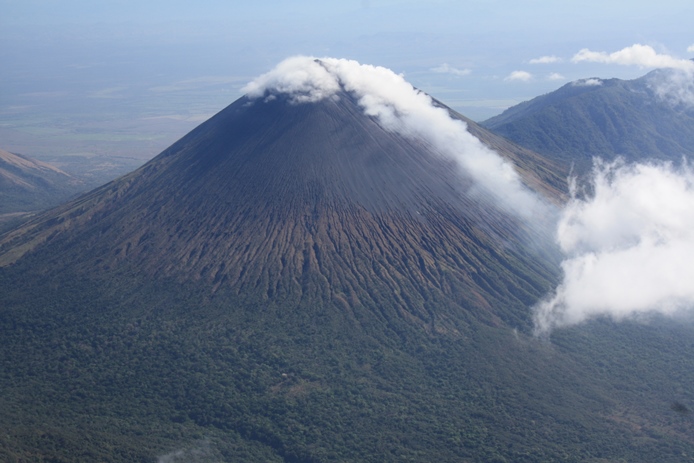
(123, 80)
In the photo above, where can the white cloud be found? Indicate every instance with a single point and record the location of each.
(556, 76)
(592, 82)
(690, 48)
(635, 55)
(521, 76)
(629, 247)
(399, 107)
(545, 60)
(675, 87)
(301, 77)
(445, 68)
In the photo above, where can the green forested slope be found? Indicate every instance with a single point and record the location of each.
(120, 370)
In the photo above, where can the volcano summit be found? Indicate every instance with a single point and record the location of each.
(333, 268)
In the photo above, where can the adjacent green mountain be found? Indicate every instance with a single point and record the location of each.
(637, 119)
(293, 282)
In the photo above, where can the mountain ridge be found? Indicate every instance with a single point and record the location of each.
(28, 186)
(29, 183)
(605, 118)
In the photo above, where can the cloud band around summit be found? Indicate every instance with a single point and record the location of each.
(401, 108)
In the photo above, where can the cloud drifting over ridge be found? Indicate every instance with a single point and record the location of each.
(591, 82)
(675, 87)
(629, 247)
(401, 108)
(635, 55)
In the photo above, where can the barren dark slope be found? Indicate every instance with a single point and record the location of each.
(294, 201)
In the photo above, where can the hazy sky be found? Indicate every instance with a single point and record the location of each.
(129, 63)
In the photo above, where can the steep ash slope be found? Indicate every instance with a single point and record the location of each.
(269, 196)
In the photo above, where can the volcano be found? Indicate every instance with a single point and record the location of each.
(305, 200)
(320, 272)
